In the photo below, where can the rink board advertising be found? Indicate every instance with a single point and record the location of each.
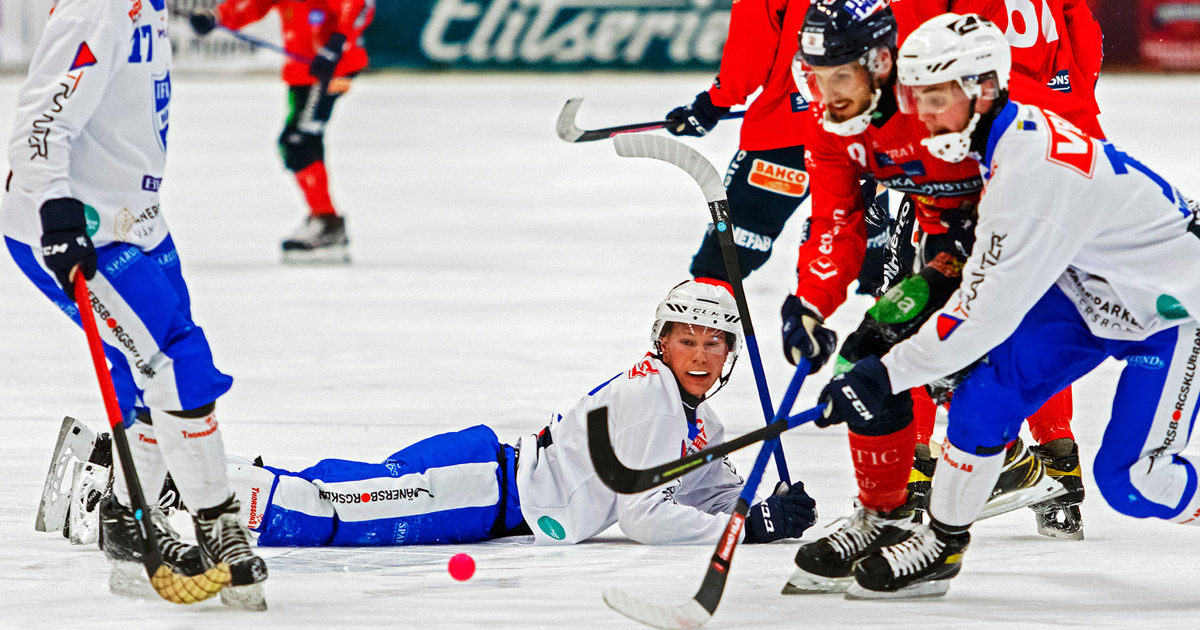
(550, 34)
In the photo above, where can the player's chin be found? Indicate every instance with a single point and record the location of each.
(698, 383)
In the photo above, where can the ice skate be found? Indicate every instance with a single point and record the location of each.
(920, 566)
(91, 483)
(1023, 481)
(1060, 517)
(225, 546)
(320, 239)
(74, 444)
(180, 579)
(826, 564)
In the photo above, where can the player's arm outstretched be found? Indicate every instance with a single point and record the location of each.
(1018, 255)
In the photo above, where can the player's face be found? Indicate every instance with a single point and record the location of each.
(845, 90)
(696, 356)
(943, 108)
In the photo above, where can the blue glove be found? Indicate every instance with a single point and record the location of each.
(65, 241)
(805, 334)
(696, 119)
(785, 514)
(325, 63)
(203, 22)
(856, 397)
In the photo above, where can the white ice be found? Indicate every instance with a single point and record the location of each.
(499, 274)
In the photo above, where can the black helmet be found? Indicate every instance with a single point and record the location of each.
(840, 31)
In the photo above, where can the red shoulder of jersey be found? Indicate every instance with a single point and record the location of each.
(1079, 112)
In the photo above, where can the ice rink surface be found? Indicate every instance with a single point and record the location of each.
(499, 274)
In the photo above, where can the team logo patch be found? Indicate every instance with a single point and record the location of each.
(162, 105)
(643, 369)
(799, 103)
(777, 178)
(946, 325)
(83, 57)
(823, 268)
(1061, 82)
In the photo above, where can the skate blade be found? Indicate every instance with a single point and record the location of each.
(804, 583)
(1045, 489)
(333, 255)
(249, 597)
(52, 509)
(935, 588)
(1051, 532)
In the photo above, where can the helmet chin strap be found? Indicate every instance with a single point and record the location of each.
(855, 125)
(953, 147)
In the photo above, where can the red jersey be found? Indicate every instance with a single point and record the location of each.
(307, 25)
(890, 150)
(1057, 42)
(758, 53)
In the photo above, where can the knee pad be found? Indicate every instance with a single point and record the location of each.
(300, 149)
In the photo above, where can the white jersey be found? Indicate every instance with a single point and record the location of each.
(564, 501)
(1061, 208)
(91, 122)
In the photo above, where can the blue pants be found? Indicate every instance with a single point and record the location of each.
(456, 487)
(1138, 468)
(160, 358)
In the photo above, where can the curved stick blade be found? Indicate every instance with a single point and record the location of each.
(566, 128)
(677, 153)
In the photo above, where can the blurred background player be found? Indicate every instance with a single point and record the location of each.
(87, 152)
(846, 64)
(467, 486)
(323, 40)
(1078, 258)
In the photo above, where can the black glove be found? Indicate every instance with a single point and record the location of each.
(785, 514)
(65, 241)
(696, 119)
(857, 396)
(326, 61)
(805, 334)
(203, 22)
(960, 229)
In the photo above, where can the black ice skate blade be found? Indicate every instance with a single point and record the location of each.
(804, 583)
(249, 597)
(919, 590)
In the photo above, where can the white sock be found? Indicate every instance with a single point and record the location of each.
(195, 455)
(962, 485)
(147, 461)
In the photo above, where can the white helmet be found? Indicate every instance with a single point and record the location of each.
(965, 49)
(700, 304)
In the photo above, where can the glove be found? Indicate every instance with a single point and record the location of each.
(805, 334)
(856, 397)
(960, 228)
(65, 241)
(203, 22)
(326, 61)
(786, 514)
(696, 119)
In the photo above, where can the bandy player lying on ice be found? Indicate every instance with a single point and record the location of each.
(1081, 253)
(468, 486)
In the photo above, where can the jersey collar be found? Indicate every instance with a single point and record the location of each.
(1001, 123)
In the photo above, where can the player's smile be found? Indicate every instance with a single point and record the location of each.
(696, 355)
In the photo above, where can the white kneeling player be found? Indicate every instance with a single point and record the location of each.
(1081, 253)
(467, 486)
